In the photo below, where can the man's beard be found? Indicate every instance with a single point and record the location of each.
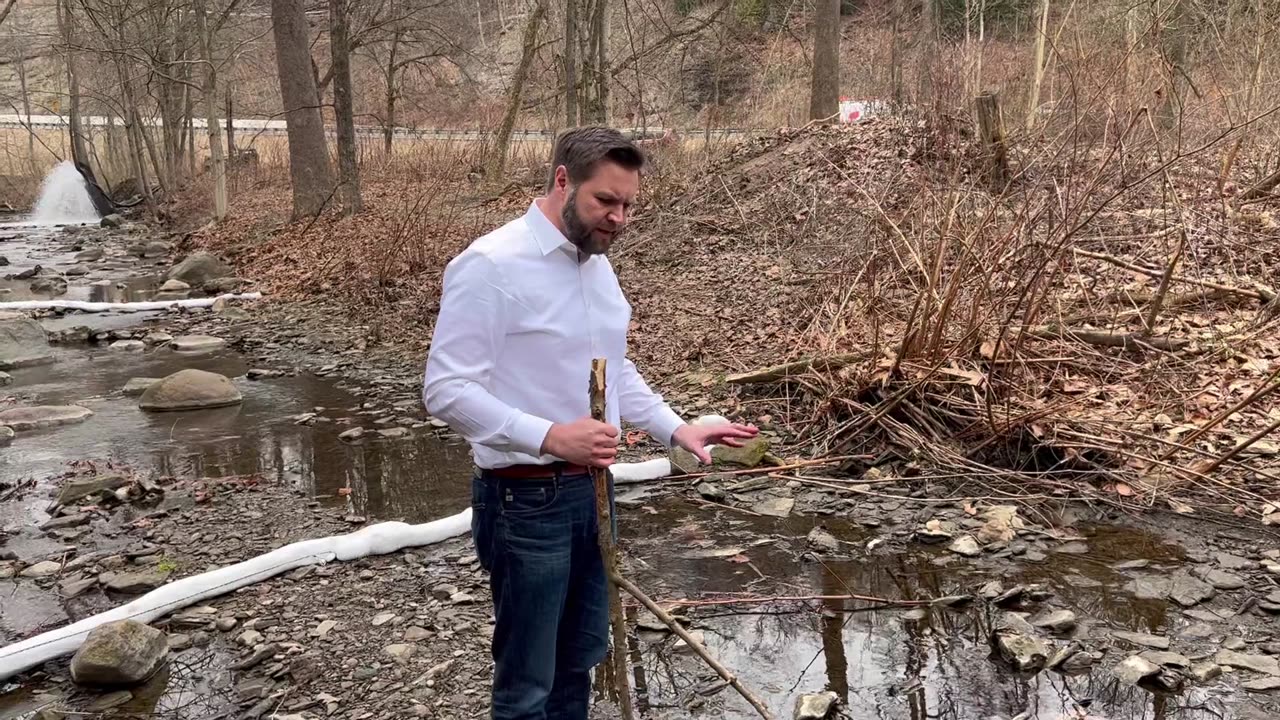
(578, 233)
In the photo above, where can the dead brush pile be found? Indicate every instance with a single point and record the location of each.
(1100, 328)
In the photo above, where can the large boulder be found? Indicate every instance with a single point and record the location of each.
(119, 654)
(23, 342)
(200, 268)
(39, 417)
(190, 390)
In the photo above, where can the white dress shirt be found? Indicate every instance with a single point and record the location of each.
(521, 318)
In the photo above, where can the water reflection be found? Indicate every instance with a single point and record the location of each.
(893, 663)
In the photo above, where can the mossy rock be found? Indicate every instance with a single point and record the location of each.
(750, 455)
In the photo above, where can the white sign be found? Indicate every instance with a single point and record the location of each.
(853, 111)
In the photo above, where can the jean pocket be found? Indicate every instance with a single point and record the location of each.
(525, 499)
(479, 494)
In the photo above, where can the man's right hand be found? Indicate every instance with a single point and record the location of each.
(582, 442)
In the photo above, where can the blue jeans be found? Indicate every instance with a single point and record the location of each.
(537, 540)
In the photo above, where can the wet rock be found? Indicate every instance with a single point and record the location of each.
(1131, 565)
(111, 700)
(179, 642)
(200, 268)
(1135, 669)
(226, 624)
(711, 492)
(263, 374)
(1148, 588)
(50, 285)
(136, 583)
(129, 345)
(749, 455)
(82, 487)
(250, 638)
(66, 521)
(219, 286)
(90, 255)
(1058, 621)
(5, 379)
(190, 390)
(23, 342)
(1234, 562)
(197, 343)
(352, 435)
(820, 539)
(815, 706)
(383, 618)
(1073, 548)
(775, 507)
(1023, 652)
(6, 435)
(75, 588)
(1188, 591)
(1257, 663)
(1035, 556)
(965, 545)
(1263, 685)
(936, 531)
(1206, 671)
(137, 386)
(1222, 580)
(121, 653)
(41, 569)
(1167, 659)
(39, 417)
(1143, 639)
(396, 433)
(158, 338)
(174, 286)
(111, 221)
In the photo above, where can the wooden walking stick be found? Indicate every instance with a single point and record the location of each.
(609, 552)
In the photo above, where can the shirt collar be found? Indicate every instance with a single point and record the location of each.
(546, 234)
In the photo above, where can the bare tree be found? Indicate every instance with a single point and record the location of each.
(217, 160)
(824, 90)
(1042, 37)
(4, 11)
(309, 171)
(343, 110)
(528, 47)
(570, 63)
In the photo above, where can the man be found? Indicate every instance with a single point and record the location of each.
(524, 311)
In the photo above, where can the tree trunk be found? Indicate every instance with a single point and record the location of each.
(343, 110)
(231, 126)
(132, 134)
(824, 90)
(1174, 40)
(991, 125)
(929, 34)
(896, 56)
(529, 47)
(26, 107)
(1042, 37)
(570, 63)
(309, 171)
(389, 117)
(602, 62)
(210, 92)
(78, 153)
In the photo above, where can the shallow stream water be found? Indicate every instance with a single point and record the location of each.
(882, 663)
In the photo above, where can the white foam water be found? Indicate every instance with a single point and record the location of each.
(64, 198)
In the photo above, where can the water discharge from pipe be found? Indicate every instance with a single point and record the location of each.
(64, 198)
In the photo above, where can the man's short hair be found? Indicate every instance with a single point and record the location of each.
(581, 149)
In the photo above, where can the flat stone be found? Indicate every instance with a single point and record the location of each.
(1234, 562)
(90, 255)
(250, 638)
(82, 487)
(1257, 663)
(128, 345)
(1263, 685)
(400, 652)
(1058, 621)
(965, 545)
(197, 343)
(1169, 659)
(416, 634)
(39, 417)
(1188, 591)
(75, 588)
(1198, 631)
(351, 435)
(76, 271)
(1222, 579)
(190, 390)
(323, 629)
(137, 386)
(135, 583)
(120, 653)
(1143, 639)
(66, 521)
(226, 624)
(1072, 548)
(775, 507)
(1135, 669)
(5, 379)
(1023, 652)
(45, 568)
(820, 539)
(815, 706)
(6, 435)
(23, 342)
(711, 492)
(383, 618)
(174, 286)
(396, 433)
(102, 703)
(1131, 565)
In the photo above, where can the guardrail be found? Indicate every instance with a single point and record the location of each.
(278, 127)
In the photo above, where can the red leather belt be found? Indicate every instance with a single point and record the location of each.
(530, 472)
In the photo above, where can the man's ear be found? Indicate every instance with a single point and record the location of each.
(562, 178)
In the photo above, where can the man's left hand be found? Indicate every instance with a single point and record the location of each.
(696, 438)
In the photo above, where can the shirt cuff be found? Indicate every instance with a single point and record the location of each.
(528, 432)
(665, 425)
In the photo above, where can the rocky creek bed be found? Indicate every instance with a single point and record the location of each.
(1046, 611)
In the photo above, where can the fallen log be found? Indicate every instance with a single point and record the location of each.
(1258, 292)
(124, 307)
(795, 368)
(1106, 338)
